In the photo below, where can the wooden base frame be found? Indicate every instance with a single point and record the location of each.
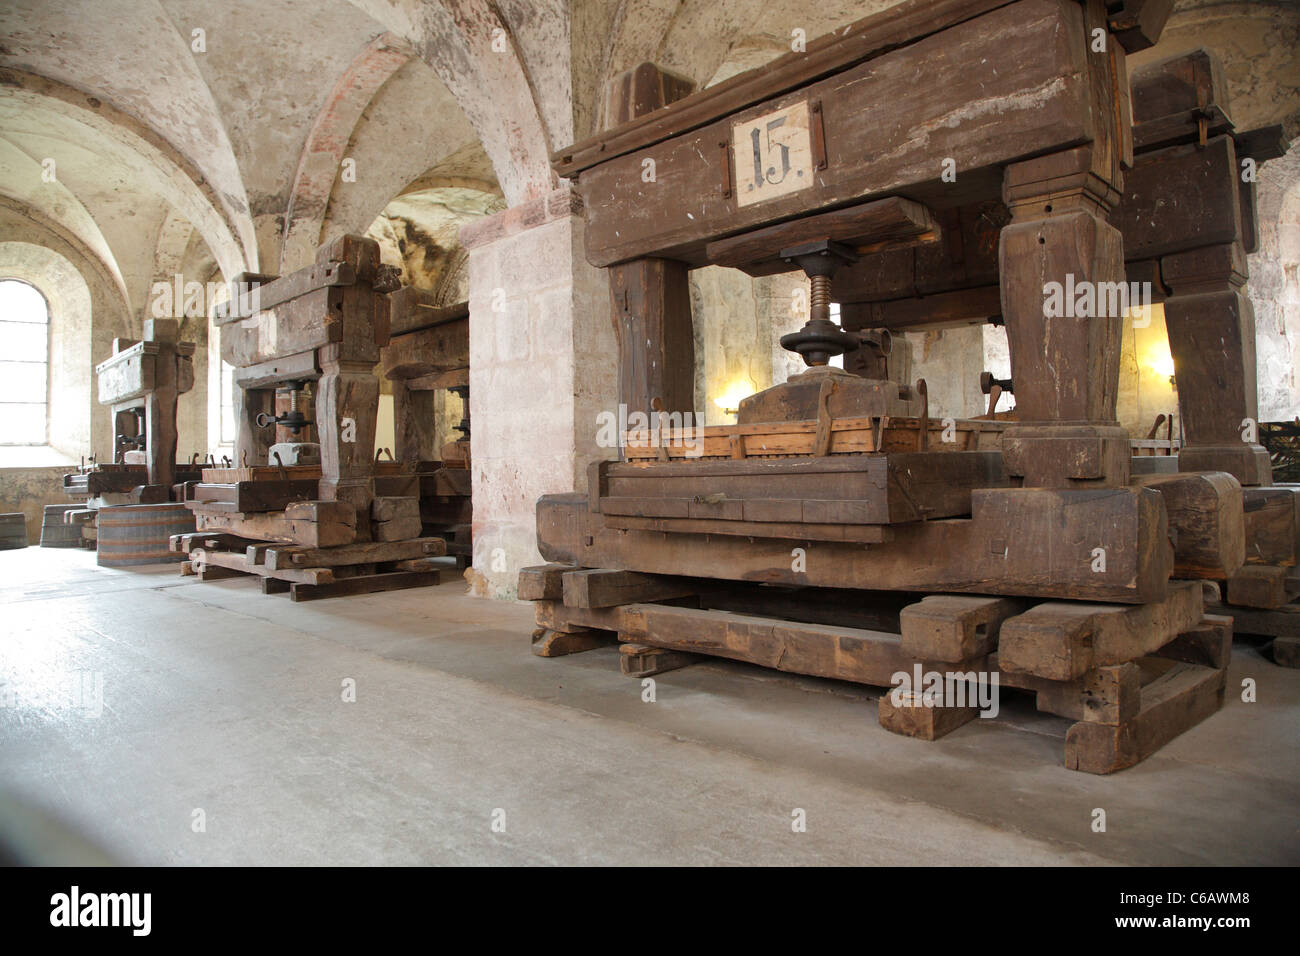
(1150, 672)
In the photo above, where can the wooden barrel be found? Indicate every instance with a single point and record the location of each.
(57, 533)
(13, 531)
(138, 534)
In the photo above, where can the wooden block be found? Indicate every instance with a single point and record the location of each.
(602, 587)
(1178, 700)
(1063, 642)
(275, 586)
(1208, 644)
(187, 569)
(640, 660)
(398, 529)
(364, 584)
(1271, 525)
(542, 582)
(1261, 586)
(917, 715)
(1104, 695)
(1207, 521)
(954, 628)
(388, 509)
(1286, 651)
(548, 643)
(1267, 622)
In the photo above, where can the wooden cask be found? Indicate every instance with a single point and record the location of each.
(131, 535)
(57, 533)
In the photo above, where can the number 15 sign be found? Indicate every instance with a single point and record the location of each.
(773, 155)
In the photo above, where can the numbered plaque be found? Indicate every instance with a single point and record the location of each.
(773, 155)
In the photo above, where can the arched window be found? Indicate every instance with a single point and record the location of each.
(24, 364)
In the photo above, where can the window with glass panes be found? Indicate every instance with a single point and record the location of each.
(24, 364)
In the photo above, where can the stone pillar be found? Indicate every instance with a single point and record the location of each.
(543, 367)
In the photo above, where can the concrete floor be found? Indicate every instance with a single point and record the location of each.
(220, 699)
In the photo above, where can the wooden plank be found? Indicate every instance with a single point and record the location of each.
(1030, 58)
(364, 584)
(238, 562)
(883, 220)
(863, 40)
(412, 308)
(1003, 549)
(602, 587)
(1281, 621)
(1174, 703)
(366, 552)
(428, 351)
(1061, 641)
(867, 657)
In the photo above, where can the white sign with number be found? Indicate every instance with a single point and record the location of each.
(773, 155)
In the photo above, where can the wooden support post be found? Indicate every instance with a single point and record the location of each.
(542, 582)
(651, 298)
(347, 407)
(1065, 344)
(414, 425)
(1211, 326)
(252, 441)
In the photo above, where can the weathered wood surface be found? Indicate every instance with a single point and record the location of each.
(1018, 542)
(848, 436)
(590, 588)
(1063, 642)
(1180, 198)
(365, 584)
(251, 496)
(640, 660)
(1175, 702)
(955, 628)
(1262, 586)
(889, 220)
(542, 582)
(1206, 519)
(548, 643)
(866, 39)
(1030, 59)
(312, 524)
(857, 490)
(427, 351)
(925, 717)
(1272, 525)
(368, 552)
